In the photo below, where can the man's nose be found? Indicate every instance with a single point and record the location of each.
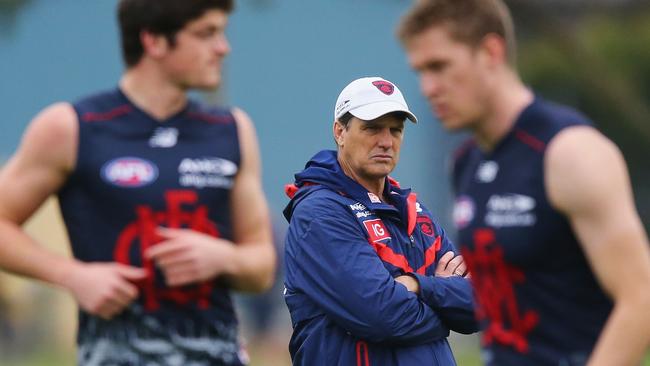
(429, 85)
(385, 138)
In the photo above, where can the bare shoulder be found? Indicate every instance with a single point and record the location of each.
(582, 165)
(53, 133)
(247, 140)
(243, 120)
(41, 164)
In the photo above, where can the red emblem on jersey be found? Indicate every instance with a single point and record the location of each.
(141, 234)
(426, 226)
(376, 230)
(384, 86)
(494, 281)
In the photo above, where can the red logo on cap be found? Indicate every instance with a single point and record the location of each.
(384, 86)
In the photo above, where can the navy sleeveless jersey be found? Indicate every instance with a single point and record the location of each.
(538, 300)
(133, 174)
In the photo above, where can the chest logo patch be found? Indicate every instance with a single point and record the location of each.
(463, 211)
(376, 230)
(487, 171)
(426, 226)
(164, 137)
(129, 172)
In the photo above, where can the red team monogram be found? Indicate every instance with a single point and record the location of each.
(143, 232)
(496, 295)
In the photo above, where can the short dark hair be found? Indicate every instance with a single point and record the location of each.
(344, 120)
(164, 17)
(468, 21)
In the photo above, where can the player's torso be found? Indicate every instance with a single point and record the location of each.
(134, 171)
(529, 273)
(134, 174)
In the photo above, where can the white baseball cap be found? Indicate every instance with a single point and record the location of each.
(371, 97)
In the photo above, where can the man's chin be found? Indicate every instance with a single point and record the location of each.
(207, 87)
(207, 84)
(382, 171)
(452, 125)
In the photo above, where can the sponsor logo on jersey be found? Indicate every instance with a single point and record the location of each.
(376, 230)
(487, 171)
(164, 137)
(463, 211)
(373, 198)
(363, 214)
(363, 210)
(129, 172)
(510, 209)
(207, 172)
(358, 207)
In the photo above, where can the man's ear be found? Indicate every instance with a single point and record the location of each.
(337, 131)
(154, 45)
(494, 49)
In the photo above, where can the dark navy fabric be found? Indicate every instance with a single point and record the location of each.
(133, 174)
(538, 300)
(342, 251)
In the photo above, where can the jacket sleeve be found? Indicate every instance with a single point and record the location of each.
(333, 264)
(451, 297)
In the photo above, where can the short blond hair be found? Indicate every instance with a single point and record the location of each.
(468, 21)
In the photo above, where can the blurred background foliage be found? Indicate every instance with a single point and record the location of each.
(598, 60)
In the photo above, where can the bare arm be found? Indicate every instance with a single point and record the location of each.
(587, 179)
(254, 262)
(38, 169)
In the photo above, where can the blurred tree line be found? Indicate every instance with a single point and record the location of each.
(594, 55)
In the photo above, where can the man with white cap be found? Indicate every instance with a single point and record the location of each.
(371, 278)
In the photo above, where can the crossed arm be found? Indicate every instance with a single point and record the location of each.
(329, 260)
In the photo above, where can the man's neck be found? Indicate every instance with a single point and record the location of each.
(503, 107)
(152, 93)
(375, 186)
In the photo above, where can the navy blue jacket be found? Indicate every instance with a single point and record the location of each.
(343, 250)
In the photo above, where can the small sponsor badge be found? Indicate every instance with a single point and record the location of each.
(376, 230)
(373, 198)
(164, 137)
(129, 172)
(463, 211)
(487, 171)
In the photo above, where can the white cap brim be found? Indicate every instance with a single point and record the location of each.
(375, 110)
